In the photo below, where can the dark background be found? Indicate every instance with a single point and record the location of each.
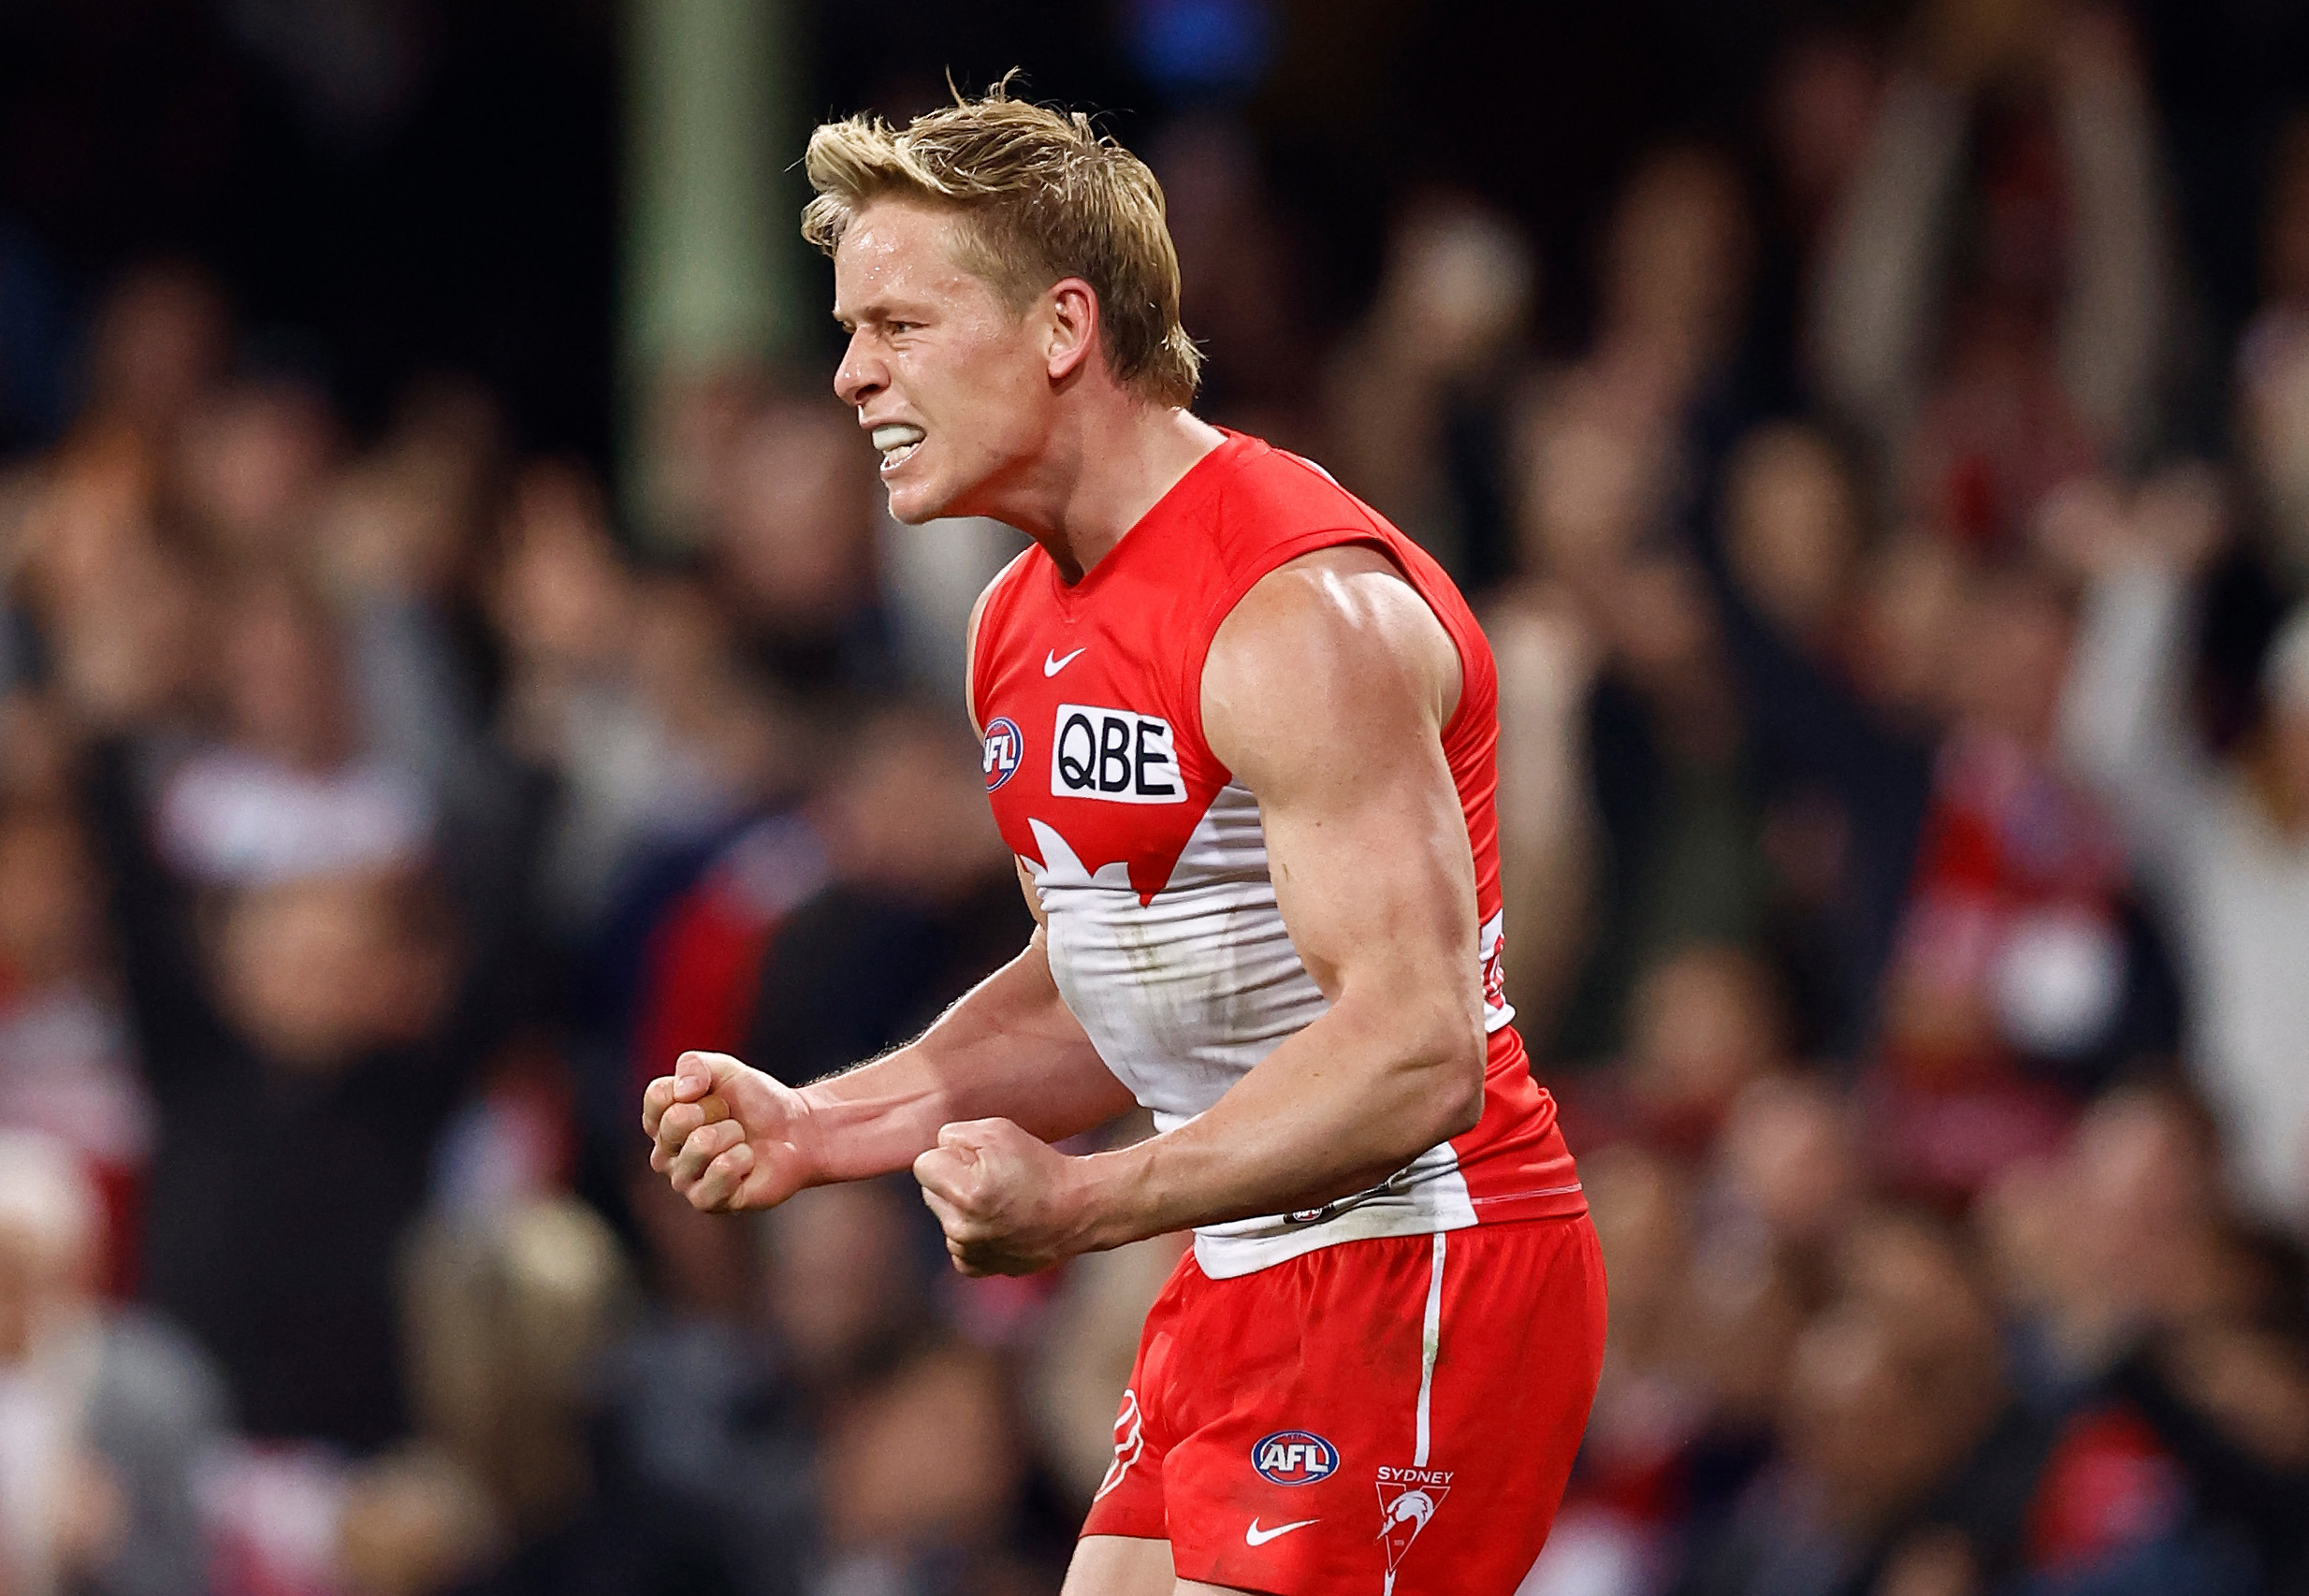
(465, 211)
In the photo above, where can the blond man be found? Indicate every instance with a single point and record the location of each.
(1239, 733)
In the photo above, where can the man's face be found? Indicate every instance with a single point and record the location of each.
(954, 387)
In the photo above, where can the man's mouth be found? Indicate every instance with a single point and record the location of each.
(897, 441)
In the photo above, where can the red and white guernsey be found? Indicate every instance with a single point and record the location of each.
(1151, 862)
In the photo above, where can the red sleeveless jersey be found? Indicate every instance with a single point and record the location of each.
(1149, 861)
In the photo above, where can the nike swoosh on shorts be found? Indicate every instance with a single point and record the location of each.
(1258, 1537)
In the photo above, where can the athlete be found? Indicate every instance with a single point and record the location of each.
(1239, 733)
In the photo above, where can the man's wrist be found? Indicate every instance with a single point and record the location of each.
(1113, 1199)
(806, 1135)
(855, 1126)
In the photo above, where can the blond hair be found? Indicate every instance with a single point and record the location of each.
(1043, 196)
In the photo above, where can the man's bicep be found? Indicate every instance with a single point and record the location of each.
(1378, 883)
(1327, 699)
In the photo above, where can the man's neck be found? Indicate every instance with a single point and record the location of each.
(1103, 473)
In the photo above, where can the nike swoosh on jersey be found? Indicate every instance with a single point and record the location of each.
(1258, 1537)
(1053, 664)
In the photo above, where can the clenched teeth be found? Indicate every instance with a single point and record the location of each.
(896, 435)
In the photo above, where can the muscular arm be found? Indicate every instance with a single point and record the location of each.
(1010, 1048)
(733, 1138)
(1326, 692)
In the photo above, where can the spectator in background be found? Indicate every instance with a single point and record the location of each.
(2223, 845)
(1630, 1494)
(922, 1477)
(161, 341)
(1415, 404)
(288, 790)
(68, 1068)
(793, 548)
(1985, 382)
(1886, 1414)
(397, 551)
(1241, 274)
(509, 1316)
(1839, 646)
(294, 983)
(1703, 1022)
(2151, 1325)
(1677, 266)
(1819, 106)
(2012, 975)
(1672, 788)
(1613, 450)
(252, 460)
(1547, 659)
(1673, 779)
(114, 614)
(303, 1059)
(2273, 363)
(107, 1418)
(1792, 532)
(508, 1313)
(921, 904)
(706, 1436)
(820, 1435)
(1087, 1345)
(626, 691)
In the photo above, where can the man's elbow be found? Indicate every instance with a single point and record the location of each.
(1455, 1078)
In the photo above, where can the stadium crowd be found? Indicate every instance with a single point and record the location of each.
(1906, 813)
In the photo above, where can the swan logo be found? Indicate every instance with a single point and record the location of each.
(1294, 1458)
(1408, 1499)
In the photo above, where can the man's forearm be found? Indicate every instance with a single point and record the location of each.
(1010, 1048)
(1332, 1111)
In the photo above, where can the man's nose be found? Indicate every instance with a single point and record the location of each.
(859, 376)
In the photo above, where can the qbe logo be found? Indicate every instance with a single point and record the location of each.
(1005, 746)
(1294, 1458)
(1116, 755)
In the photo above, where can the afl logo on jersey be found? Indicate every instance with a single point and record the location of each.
(1294, 1458)
(1005, 746)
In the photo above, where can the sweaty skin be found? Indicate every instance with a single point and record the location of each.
(1325, 691)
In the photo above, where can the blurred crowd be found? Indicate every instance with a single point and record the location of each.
(1905, 812)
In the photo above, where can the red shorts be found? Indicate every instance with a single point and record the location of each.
(1394, 1417)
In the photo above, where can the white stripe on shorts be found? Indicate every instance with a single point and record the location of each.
(1430, 1342)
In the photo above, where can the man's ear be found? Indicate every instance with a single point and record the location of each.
(1072, 308)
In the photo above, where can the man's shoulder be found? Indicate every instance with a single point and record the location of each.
(1274, 491)
(1280, 507)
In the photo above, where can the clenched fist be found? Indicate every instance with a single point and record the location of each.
(1010, 1204)
(729, 1136)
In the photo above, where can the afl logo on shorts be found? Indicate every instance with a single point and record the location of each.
(1294, 1458)
(1004, 746)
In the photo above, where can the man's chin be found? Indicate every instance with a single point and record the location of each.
(912, 503)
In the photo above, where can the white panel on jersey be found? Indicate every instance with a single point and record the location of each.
(1427, 1196)
(1184, 995)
